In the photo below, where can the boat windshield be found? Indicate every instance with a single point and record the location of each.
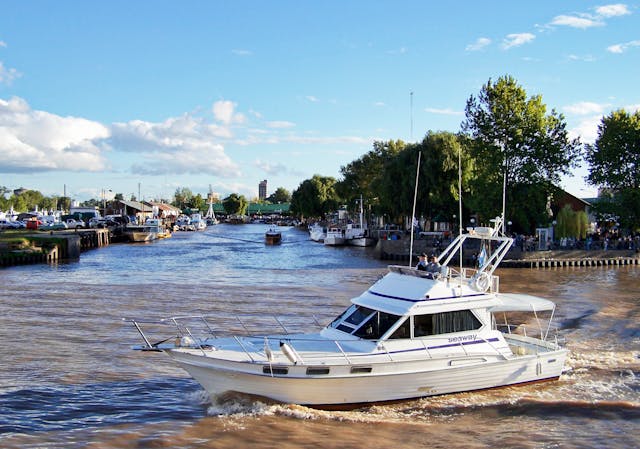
(364, 322)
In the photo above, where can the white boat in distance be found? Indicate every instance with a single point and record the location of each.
(411, 334)
(317, 232)
(150, 230)
(335, 236)
(198, 222)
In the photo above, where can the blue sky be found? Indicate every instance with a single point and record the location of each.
(159, 95)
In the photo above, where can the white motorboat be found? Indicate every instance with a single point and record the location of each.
(198, 222)
(272, 236)
(150, 230)
(411, 334)
(358, 234)
(317, 232)
(335, 236)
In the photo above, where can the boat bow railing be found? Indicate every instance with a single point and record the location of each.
(278, 349)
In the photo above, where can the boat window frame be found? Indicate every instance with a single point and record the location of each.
(432, 332)
(378, 329)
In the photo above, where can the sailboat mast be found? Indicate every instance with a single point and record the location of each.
(413, 212)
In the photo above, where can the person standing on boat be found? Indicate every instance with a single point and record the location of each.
(433, 266)
(422, 263)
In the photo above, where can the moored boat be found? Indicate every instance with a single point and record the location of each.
(317, 232)
(150, 230)
(411, 334)
(335, 236)
(272, 237)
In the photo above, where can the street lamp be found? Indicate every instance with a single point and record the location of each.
(104, 201)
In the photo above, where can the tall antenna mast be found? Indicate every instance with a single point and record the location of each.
(413, 212)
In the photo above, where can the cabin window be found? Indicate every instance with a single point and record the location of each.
(346, 313)
(445, 323)
(376, 326)
(404, 331)
(355, 315)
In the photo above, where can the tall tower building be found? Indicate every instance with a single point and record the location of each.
(262, 190)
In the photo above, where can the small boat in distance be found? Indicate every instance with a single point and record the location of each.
(335, 236)
(272, 237)
(411, 334)
(198, 222)
(150, 230)
(317, 232)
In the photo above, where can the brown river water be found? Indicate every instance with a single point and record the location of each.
(69, 379)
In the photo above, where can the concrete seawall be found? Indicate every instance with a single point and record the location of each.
(398, 250)
(55, 246)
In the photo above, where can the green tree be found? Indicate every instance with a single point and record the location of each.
(235, 204)
(614, 165)
(515, 140)
(365, 175)
(197, 202)
(281, 195)
(314, 197)
(182, 197)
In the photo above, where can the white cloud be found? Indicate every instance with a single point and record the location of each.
(587, 129)
(280, 124)
(446, 111)
(224, 111)
(240, 52)
(270, 168)
(585, 58)
(3, 44)
(312, 99)
(479, 44)
(517, 39)
(7, 75)
(621, 48)
(179, 145)
(618, 9)
(586, 108)
(40, 141)
(582, 21)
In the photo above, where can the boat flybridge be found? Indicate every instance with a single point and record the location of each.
(411, 334)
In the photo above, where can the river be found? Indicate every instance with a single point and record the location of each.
(69, 379)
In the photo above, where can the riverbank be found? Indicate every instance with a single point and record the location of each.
(23, 248)
(398, 250)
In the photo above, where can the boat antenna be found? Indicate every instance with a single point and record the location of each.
(504, 182)
(413, 212)
(460, 205)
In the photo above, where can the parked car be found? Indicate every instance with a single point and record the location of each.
(97, 222)
(7, 224)
(54, 226)
(74, 224)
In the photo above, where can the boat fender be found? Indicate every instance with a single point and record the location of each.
(482, 281)
(289, 352)
(267, 351)
(185, 341)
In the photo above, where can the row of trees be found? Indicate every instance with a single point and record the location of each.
(233, 204)
(184, 198)
(507, 141)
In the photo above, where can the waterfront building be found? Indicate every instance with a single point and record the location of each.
(262, 190)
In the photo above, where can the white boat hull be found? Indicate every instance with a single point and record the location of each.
(401, 381)
(362, 241)
(332, 240)
(135, 236)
